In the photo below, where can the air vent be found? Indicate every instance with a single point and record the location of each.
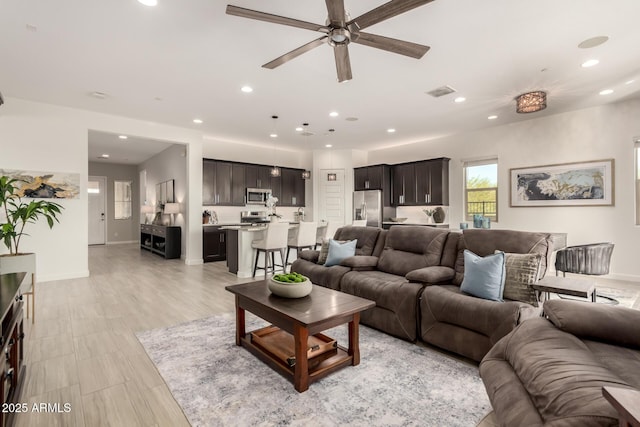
(306, 133)
(441, 91)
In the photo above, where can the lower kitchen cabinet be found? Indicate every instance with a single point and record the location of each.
(214, 244)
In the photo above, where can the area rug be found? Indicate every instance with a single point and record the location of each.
(396, 383)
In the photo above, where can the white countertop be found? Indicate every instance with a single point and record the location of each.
(415, 223)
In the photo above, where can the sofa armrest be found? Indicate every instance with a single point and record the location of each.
(599, 322)
(309, 255)
(431, 275)
(360, 262)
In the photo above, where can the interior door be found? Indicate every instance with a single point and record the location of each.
(331, 199)
(97, 187)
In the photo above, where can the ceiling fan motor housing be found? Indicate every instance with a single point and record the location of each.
(339, 36)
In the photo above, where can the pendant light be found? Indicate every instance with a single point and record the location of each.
(275, 170)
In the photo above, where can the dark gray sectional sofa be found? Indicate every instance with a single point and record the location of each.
(413, 274)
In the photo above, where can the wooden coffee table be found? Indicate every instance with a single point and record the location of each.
(301, 317)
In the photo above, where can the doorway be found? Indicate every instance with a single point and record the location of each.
(331, 198)
(96, 188)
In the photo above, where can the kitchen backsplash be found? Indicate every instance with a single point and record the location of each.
(415, 214)
(231, 214)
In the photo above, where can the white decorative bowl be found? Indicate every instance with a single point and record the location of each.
(290, 290)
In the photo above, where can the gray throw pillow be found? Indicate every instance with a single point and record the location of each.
(522, 271)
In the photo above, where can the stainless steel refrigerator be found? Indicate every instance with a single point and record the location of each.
(367, 204)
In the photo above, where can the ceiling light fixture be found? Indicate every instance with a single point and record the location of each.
(460, 99)
(275, 170)
(328, 145)
(531, 102)
(593, 42)
(197, 121)
(590, 63)
(606, 92)
(306, 174)
(391, 130)
(492, 117)
(247, 89)
(299, 129)
(333, 114)
(123, 137)
(104, 156)
(149, 2)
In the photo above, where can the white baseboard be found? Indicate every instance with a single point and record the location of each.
(124, 242)
(65, 276)
(194, 261)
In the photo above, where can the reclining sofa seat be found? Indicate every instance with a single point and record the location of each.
(370, 242)
(406, 249)
(550, 371)
(470, 326)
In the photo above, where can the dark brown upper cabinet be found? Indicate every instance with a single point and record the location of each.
(376, 177)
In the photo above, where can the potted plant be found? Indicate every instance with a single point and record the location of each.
(15, 214)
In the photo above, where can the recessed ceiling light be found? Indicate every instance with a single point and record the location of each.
(460, 99)
(333, 114)
(593, 42)
(104, 156)
(99, 95)
(197, 121)
(590, 63)
(328, 145)
(273, 135)
(628, 82)
(247, 89)
(123, 137)
(149, 2)
(606, 92)
(299, 129)
(391, 130)
(493, 117)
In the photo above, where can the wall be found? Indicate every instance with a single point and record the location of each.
(119, 230)
(38, 136)
(590, 134)
(169, 164)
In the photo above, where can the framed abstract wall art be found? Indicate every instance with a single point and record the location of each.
(45, 185)
(568, 184)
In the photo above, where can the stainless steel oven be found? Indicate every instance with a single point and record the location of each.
(257, 196)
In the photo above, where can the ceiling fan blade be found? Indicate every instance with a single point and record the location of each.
(276, 19)
(294, 53)
(401, 47)
(386, 11)
(343, 64)
(336, 12)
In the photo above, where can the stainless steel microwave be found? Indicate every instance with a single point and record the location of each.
(258, 196)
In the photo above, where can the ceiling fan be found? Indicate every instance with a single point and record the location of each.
(340, 31)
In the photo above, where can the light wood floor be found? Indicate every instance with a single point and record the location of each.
(82, 349)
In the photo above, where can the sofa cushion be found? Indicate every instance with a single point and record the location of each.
(484, 277)
(409, 248)
(600, 322)
(366, 237)
(339, 251)
(522, 271)
(485, 242)
(309, 255)
(329, 277)
(360, 262)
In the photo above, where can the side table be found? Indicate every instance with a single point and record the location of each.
(567, 286)
(626, 402)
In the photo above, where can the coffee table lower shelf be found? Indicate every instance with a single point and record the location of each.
(322, 368)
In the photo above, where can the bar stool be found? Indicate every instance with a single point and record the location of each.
(359, 223)
(321, 234)
(275, 240)
(305, 238)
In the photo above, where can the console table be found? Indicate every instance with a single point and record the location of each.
(12, 370)
(161, 239)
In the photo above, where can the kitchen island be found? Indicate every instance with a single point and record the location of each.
(240, 254)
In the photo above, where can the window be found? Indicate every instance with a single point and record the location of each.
(122, 199)
(481, 189)
(637, 150)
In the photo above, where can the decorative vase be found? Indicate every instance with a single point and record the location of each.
(477, 221)
(438, 215)
(290, 290)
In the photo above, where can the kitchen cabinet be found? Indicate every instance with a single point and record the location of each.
(376, 177)
(432, 182)
(258, 176)
(214, 244)
(163, 240)
(404, 184)
(238, 184)
(216, 182)
(292, 190)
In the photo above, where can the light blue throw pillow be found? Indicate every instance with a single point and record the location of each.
(339, 251)
(484, 277)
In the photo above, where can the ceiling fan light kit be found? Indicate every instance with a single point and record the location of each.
(531, 102)
(340, 31)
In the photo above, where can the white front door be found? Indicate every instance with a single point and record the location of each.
(97, 188)
(331, 199)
